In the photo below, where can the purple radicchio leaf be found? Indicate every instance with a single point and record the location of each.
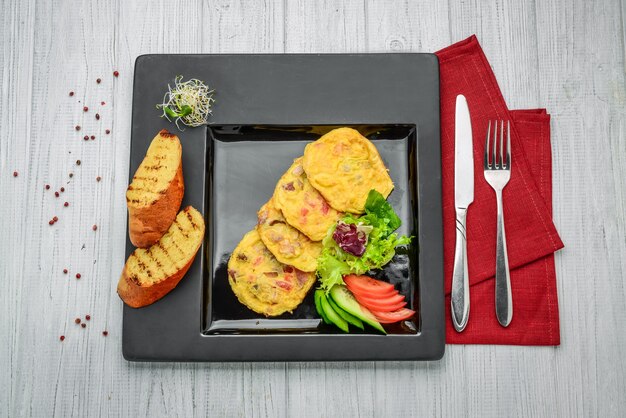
(350, 239)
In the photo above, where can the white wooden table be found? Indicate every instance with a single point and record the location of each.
(566, 55)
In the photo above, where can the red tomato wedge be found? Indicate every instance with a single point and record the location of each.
(395, 316)
(381, 307)
(368, 286)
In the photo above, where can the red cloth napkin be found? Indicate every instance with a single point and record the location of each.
(531, 236)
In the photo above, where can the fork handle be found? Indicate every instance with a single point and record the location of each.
(460, 302)
(504, 298)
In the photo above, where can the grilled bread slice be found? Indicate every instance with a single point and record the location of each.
(151, 273)
(156, 192)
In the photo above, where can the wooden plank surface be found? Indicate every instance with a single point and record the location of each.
(565, 55)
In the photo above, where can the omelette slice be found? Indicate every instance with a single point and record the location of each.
(302, 205)
(344, 166)
(286, 243)
(261, 282)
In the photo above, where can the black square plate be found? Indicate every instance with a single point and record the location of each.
(268, 107)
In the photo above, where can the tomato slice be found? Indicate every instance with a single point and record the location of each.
(365, 293)
(395, 316)
(375, 305)
(367, 285)
(393, 299)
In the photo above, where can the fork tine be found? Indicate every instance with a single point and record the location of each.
(502, 162)
(487, 165)
(495, 141)
(508, 144)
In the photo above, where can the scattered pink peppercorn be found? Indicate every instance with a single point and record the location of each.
(47, 187)
(116, 73)
(77, 127)
(56, 194)
(77, 162)
(15, 174)
(78, 275)
(62, 337)
(102, 103)
(108, 131)
(77, 320)
(93, 137)
(97, 116)
(94, 227)
(66, 204)
(71, 93)
(50, 222)
(62, 189)
(105, 333)
(87, 317)
(64, 271)
(98, 81)
(98, 178)
(85, 109)
(55, 219)
(86, 137)
(83, 325)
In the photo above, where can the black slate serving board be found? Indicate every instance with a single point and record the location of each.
(267, 108)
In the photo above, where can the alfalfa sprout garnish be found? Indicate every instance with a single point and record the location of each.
(187, 102)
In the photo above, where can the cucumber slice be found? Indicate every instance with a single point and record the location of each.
(346, 301)
(318, 305)
(350, 319)
(332, 315)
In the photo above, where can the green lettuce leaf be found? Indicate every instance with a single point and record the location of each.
(382, 242)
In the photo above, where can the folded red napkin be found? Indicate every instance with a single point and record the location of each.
(531, 236)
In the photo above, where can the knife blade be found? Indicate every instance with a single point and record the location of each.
(463, 197)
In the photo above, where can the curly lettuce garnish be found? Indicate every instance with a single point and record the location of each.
(381, 221)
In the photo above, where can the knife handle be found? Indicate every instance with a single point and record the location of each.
(460, 278)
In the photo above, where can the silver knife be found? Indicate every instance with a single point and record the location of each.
(463, 197)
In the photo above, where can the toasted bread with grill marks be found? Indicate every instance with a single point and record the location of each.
(151, 273)
(156, 192)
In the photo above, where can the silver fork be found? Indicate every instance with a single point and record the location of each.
(497, 174)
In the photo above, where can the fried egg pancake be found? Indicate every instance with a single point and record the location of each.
(344, 166)
(302, 205)
(286, 243)
(261, 282)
